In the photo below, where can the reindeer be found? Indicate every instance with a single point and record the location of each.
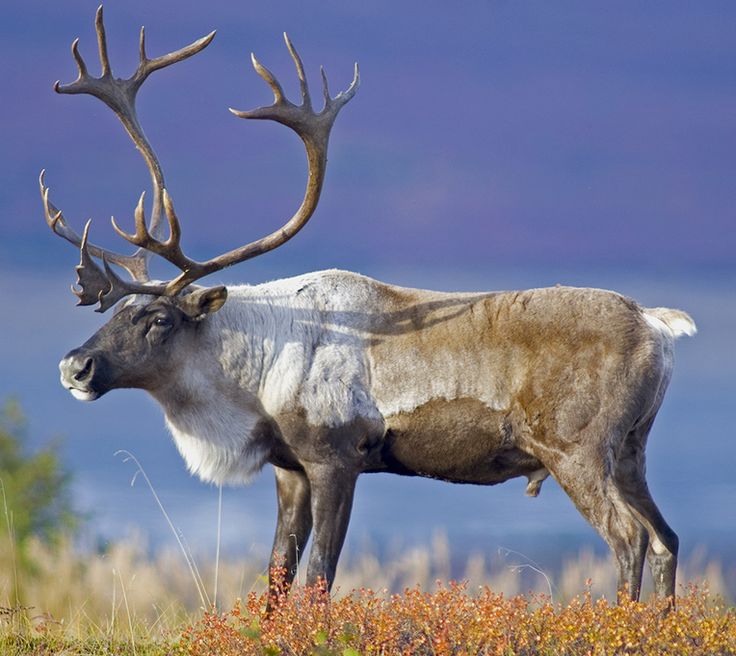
(331, 374)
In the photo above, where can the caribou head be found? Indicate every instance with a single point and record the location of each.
(161, 314)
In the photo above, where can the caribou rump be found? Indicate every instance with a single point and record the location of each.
(331, 374)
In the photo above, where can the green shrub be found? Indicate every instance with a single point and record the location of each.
(35, 494)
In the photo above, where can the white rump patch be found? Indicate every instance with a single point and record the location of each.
(672, 322)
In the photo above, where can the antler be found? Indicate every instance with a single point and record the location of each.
(134, 264)
(312, 127)
(314, 130)
(119, 95)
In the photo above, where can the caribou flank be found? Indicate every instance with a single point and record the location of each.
(331, 374)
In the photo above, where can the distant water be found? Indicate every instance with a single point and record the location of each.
(691, 454)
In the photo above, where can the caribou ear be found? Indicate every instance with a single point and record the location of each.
(202, 302)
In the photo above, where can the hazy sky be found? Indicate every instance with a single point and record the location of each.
(503, 132)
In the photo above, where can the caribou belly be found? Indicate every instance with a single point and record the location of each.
(460, 440)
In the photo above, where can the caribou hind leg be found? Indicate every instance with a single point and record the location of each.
(602, 503)
(583, 468)
(606, 482)
(663, 541)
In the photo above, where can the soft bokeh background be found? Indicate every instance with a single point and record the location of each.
(492, 145)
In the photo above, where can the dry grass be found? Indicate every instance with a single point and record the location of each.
(121, 592)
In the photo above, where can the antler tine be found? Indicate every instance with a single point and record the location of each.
(133, 264)
(78, 59)
(142, 45)
(303, 86)
(325, 86)
(344, 96)
(91, 279)
(103, 287)
(268, 76)
(174, 225)
(141, 237)
(146, 66)
(169, 249)
(102, 43)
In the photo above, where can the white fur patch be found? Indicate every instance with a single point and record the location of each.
(336, 389)
(217, 449)
(282, 381)
(307, 345)
(671, 322)
(409, 380)
(212, 425)
(81, 395)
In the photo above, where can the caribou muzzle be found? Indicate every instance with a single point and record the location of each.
(80, 374)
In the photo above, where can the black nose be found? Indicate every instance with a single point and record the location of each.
(85, 372)
(78, 367)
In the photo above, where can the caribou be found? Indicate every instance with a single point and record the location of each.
(331, 374)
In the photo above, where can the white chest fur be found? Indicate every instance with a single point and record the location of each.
(217, 444)
(214, 424)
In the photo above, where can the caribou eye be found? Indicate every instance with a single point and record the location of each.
(162, 322)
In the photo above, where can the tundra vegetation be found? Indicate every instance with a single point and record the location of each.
(124, 602)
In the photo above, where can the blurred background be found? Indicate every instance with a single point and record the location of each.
(492, 145)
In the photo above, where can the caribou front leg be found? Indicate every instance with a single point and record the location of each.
(293, 525)
(332, 488)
